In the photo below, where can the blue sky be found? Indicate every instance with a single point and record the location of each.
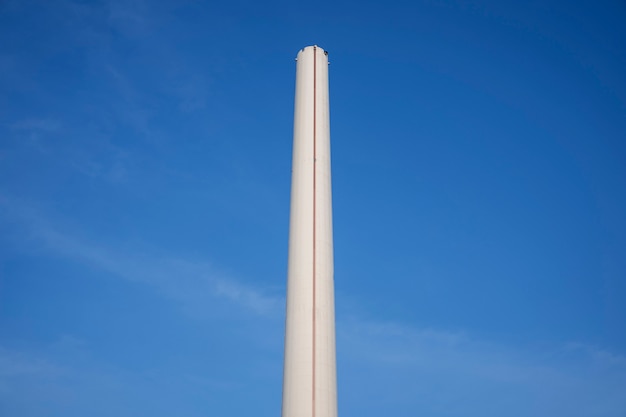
(479, 174)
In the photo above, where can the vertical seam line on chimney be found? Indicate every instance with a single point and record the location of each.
(314, 219)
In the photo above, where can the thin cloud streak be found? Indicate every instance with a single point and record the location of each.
(456, 372)
(16, 364)
(45, 125)
(50, 380)
(190, 283)
(57, 141)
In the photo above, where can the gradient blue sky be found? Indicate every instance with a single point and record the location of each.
(479, 166)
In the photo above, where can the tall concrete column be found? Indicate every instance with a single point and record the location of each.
(309, 380)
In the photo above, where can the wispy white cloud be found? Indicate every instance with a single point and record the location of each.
(95, 156)
(44, 125)
(32, 132)
(130, 16)
(50, 380)
(120, 100)
(191, 283)
(451, 373)
(600, 355)
(15, 363)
